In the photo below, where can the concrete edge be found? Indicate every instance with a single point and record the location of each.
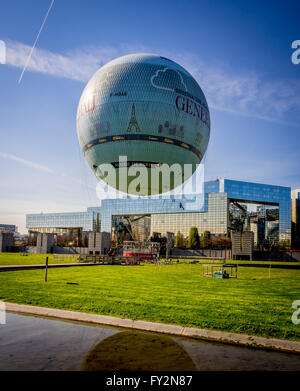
(204, 334)
(10, 268)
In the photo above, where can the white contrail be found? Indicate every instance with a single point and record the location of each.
(26, 162)
(35, 42)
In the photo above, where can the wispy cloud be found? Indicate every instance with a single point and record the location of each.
(76, 65)
(26, 162)
(40, 167)
(243, 94)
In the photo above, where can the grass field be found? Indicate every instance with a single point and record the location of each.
(34, 259)
(29, 259)
(232, 262)
(174, 294)
(239, 262)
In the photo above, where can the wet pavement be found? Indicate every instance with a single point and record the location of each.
(31, 343)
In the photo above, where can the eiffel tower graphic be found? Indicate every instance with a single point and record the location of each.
(133, 122)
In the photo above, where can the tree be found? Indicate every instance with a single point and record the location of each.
(205, 240)
(194, 240)
(220, 243)
(85, 240)
(266, 244)
(179, 240)
(285, 244)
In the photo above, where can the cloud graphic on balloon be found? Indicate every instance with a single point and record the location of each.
(168, 79)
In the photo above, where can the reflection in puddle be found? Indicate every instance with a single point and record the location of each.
(138, 351)
(39, 344)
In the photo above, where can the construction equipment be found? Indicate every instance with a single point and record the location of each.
(142, 250)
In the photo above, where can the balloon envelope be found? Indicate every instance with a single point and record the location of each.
(143, 124)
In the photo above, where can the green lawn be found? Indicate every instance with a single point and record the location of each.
(33, 259)
(29, 259)
(282, 263)
(232, 262)
(175, 294)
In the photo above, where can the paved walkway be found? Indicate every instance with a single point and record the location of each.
(209, 335)
(8, 268)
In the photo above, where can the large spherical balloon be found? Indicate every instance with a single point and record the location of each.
(140, 114)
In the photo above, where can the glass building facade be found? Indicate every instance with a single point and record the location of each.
(8, 228)
(296, 218)
(213, 218)
(208, 211)
(262, 194)
(51, 221)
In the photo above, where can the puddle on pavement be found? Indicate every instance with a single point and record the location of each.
(43, 344)
(138, 351)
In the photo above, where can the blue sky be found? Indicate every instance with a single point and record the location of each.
(240, 53)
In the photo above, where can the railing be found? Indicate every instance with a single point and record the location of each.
(68, 258)
(108, 260)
